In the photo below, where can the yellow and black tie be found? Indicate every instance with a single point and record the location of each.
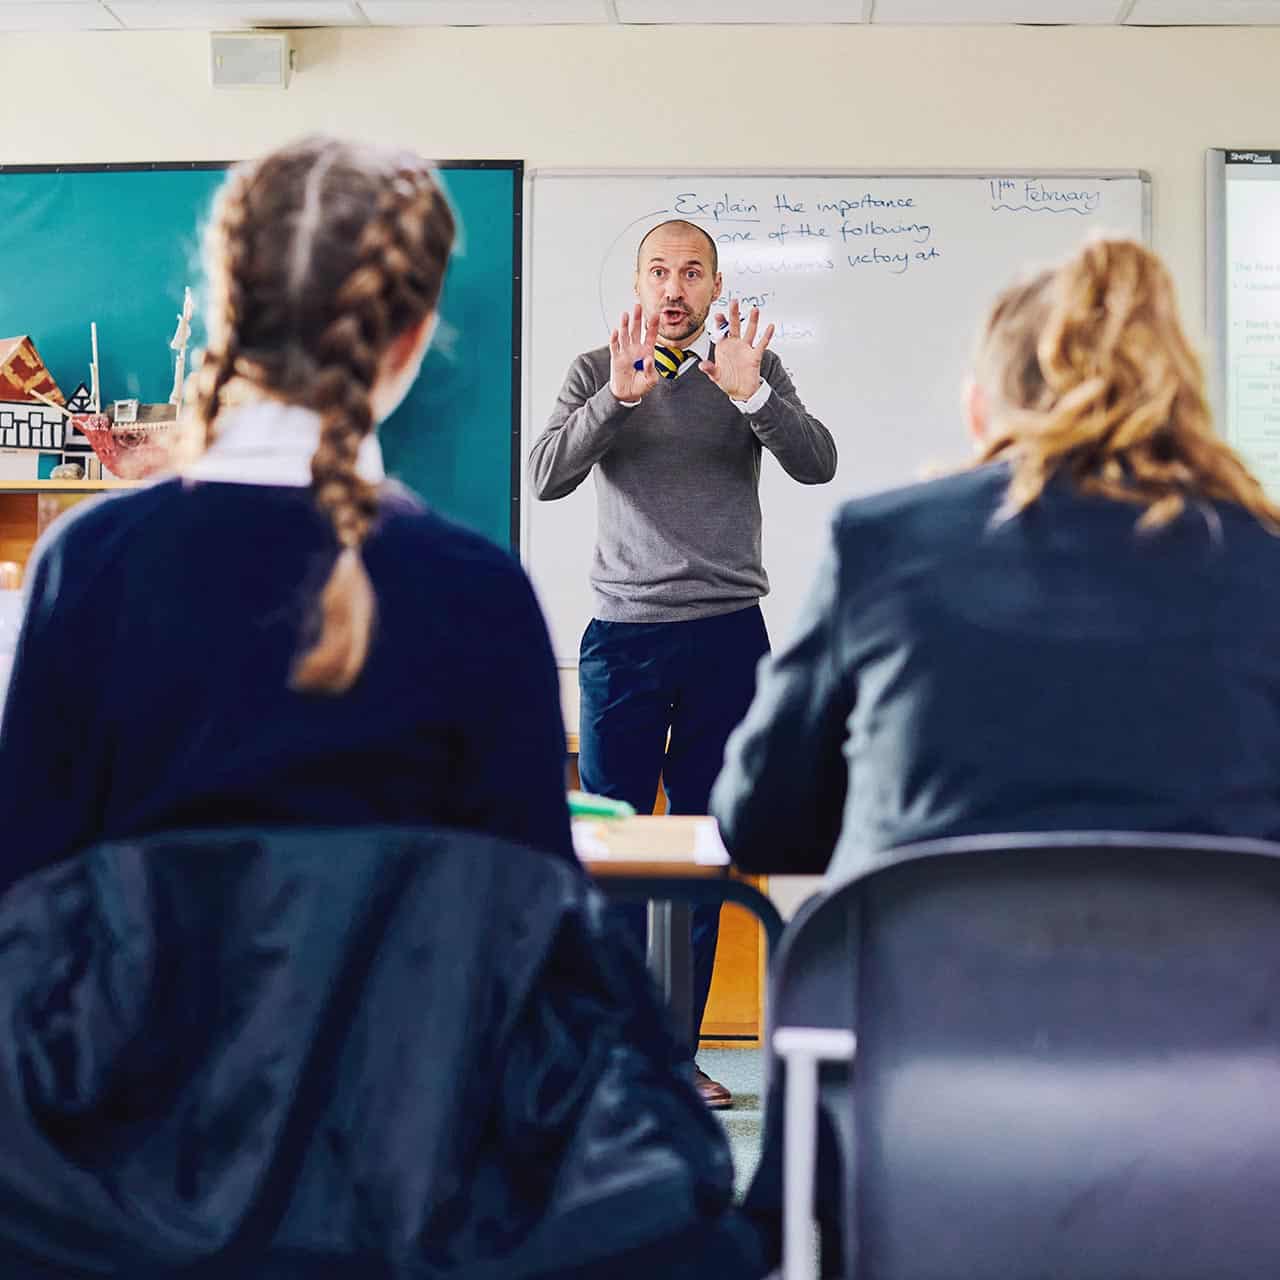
(667, 360)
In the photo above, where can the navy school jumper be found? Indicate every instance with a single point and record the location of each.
(150, 686)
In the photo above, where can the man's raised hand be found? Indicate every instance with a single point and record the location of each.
(632, 372)
(736, 369)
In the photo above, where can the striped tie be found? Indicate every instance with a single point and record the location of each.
(667, 360)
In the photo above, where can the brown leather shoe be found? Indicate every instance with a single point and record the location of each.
(714, 1094)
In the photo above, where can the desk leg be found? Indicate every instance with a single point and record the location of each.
(671, 964)
(659, 951)
(681, 996)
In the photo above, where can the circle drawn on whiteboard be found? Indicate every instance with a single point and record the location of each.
(613, 248)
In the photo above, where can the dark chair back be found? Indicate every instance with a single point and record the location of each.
(1068, 1057)
(329, 1053)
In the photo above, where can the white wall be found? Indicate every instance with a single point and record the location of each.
(876, 97)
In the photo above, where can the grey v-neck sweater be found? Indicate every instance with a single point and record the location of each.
(677, 485)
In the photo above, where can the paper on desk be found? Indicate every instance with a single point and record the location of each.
(708, 848)
(679, 838)
(587, 842)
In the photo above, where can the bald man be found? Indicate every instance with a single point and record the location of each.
(672, 424)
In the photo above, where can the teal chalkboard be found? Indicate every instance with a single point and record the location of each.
(117, 243)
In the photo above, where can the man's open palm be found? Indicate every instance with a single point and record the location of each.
(631, 344)
(736, 370)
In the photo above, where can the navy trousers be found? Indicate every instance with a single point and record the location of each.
(643, 681)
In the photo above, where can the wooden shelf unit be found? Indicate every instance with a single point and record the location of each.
(63, 486)
(27, 506)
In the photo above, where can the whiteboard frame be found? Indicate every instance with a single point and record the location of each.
(1215, 280)
(529, 429)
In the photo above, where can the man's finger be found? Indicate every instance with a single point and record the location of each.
(735, 320)
(753, 323)
(650, 332)
(711, 370)
(764, 342)
(615, 346)
(624, 329)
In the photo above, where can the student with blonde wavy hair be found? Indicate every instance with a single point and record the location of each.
(1078, 632)
(279, 636)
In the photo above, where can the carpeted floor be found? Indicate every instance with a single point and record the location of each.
(739, 1070)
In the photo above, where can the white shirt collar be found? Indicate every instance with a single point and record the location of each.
(271, 443)
(702, 347)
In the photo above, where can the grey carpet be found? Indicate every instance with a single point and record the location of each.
(739, 1070)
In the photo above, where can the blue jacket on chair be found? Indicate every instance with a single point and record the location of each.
(384, 1053)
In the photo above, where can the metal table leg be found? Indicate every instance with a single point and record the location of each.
(670, 948)
(670, 956)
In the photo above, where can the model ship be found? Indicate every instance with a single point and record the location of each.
(44, 435)
(135, 439)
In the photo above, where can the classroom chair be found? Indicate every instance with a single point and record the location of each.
(296, 1055)
(1052, 1056)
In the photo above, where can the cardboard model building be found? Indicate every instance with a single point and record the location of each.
(23, 375)
(31, 419)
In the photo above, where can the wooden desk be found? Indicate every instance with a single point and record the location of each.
(673, 863)
(735, 1009)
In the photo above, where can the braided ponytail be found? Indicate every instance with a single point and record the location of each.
(325, 256)
(227, 246)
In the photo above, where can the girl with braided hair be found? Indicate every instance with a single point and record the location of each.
(1078, 632)
(279, 635)
(393, 1048)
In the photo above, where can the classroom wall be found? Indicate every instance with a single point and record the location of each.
(877, 97)
(825, 97)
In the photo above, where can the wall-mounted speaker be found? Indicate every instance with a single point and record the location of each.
(249, 60)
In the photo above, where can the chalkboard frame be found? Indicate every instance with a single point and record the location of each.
(517, 170)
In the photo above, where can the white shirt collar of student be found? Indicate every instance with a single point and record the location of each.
(270, 443)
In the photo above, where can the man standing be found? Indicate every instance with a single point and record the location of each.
(673, 424)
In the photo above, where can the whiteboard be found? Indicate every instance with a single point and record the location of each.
(876, 285)
(1242, 271)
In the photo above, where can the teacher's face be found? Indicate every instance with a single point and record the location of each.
(674, 281)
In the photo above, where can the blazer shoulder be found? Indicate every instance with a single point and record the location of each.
(928, 508)
(900, 533)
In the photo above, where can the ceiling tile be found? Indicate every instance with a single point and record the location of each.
(476, 13)
(228, 15)
(729, 11)
(953, 12)
(1205, 12)
(79, 15)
